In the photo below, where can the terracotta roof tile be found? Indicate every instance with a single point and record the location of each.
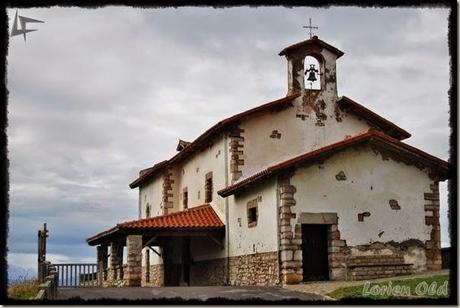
(182, 145)
(313, 41)
(199, 217)
(216, 129)
(366, 136)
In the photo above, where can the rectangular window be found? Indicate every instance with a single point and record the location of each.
(185, 198)
(208, 188)
(253, 213)
(147, 210)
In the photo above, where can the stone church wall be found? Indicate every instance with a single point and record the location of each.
(374, 197)
(276, 136)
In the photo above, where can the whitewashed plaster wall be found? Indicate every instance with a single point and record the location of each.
(370, 183)
(297, 137)
(192, 172)
(151, 193)
(264, 236)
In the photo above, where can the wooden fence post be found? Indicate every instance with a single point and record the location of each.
(42, 235)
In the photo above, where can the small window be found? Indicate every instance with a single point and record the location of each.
(253, 213)
(185, 197)
(147, 210)
(208, 187)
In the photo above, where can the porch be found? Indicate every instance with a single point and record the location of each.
(174, 238)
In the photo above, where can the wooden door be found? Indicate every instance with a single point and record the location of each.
(314, 252)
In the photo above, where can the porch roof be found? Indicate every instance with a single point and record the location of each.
(199, 218)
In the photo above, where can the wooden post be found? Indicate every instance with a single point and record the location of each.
(42, 235)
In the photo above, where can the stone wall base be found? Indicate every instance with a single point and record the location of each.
(379, 260)
(255, 269)
(156, 278)
(208, 272)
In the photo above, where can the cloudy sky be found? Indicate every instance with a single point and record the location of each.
(97, 94)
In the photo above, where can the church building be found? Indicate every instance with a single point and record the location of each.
(311, 186)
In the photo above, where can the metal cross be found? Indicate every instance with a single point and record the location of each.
(310, 26)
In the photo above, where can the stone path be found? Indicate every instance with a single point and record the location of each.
(322, 288)
(200, 293)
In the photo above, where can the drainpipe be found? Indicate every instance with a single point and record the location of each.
(227, 235)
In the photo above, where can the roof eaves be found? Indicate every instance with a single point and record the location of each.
(388, 126)
(217, 128)
(366, 136)
(312, 41)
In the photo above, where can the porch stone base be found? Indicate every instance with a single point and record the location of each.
(255, 269)
(156, 276)
(208, 272)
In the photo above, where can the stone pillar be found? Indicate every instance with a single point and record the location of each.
(290, 238)
(101, 254)
(134, 244)
(116, 259)
(433, 246)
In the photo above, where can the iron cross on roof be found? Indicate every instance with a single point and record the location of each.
(310, 26)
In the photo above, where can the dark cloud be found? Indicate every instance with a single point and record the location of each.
(95, 95)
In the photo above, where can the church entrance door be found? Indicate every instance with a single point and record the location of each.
(314, 252)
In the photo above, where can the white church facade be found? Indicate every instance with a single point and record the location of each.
(312, 186)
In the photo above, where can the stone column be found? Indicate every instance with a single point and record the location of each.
(116, 259)
(290, 242)
(101, 261)
(134, 244)
(433, 246)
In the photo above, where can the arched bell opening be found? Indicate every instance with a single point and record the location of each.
(313, 73)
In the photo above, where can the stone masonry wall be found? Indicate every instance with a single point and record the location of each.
(290, 242)
(167, 192)
(156, 276)
(208, 272)
(433, 246)
(134, 274)
(254, 269)
(236, 153)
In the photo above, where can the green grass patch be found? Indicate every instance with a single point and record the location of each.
(23, 289)
(426, 287)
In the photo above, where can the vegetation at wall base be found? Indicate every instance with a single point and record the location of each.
(362, 291)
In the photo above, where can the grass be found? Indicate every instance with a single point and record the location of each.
(425, 287)
(23, 288)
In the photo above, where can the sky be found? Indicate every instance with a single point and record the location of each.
(97, 94)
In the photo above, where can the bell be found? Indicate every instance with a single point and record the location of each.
(311, 76)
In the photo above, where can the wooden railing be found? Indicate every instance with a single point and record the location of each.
(73, 275)
(49, 285)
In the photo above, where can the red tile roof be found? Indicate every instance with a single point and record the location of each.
(344, 102)
(374, 119)
(199, 142)
(199, 217)
(370, 135)
(313, 41)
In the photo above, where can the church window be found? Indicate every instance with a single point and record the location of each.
(185, 197)
(253, 213)
(208, 187)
